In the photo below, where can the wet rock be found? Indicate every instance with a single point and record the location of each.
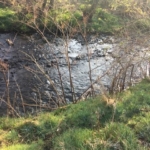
(48, 65)
(33, 94)
(73, 55)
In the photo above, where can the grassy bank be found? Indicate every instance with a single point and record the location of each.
(88, 125)
(60, 20)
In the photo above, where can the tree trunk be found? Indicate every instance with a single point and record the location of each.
(44, 4)
(51, 5)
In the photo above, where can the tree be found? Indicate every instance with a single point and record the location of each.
(51, 4)
(44, 4)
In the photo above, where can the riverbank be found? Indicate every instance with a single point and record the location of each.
(69, 17)
(92, 124)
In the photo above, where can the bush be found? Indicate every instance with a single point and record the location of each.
(7, 19)
(104, 21)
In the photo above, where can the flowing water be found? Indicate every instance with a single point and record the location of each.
(97, 63)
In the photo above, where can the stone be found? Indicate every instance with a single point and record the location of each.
(73, 55)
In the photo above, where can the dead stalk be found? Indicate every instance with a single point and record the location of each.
(22, 101)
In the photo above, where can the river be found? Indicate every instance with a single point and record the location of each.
(43, 74)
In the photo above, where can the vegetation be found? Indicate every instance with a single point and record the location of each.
(75, 16)
(94, 124)
(86, 125)
(7, 19)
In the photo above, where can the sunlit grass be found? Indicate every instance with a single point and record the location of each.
(4, 12)
(32, 146)
(114, 136)
(134, 101)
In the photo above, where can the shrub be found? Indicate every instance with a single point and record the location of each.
(7, 19)
(104, 21)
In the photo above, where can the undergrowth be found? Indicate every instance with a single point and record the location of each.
(106, 17)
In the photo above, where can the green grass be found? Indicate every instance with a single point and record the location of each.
(7, 17)
(141, 125)
(135, 101)
(73, 139)
(114, 136)
(86, 125)
(33, 146)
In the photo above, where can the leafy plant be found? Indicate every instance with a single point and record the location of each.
(104, 21)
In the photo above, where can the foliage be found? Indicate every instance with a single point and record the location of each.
(7, 17)
(104, 21)
(106, 16)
